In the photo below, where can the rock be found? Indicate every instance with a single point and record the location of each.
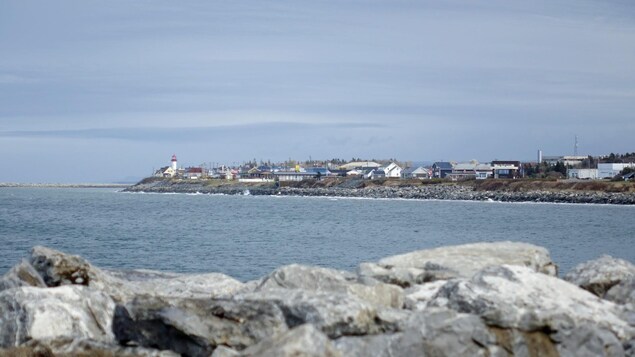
(600, 275)
(623, 293)
(435, 332)
(71, 311)
(87, 347)
(57, 268)
(22, 274)
(335, 314)
(222, 351)
(195, 327)
(418, 296)
(457, 261)
(324, 280)
(302, 341)
(517, 297)
(588, 340)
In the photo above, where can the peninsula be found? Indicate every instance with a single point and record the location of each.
(509, 190)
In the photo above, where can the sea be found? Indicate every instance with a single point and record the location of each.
(248, 236)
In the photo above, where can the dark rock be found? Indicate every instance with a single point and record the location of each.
(196, 326)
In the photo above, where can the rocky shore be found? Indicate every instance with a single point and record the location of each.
(483, 299)
(426, 192)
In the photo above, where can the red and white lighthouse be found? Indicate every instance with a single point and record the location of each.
(174, 162)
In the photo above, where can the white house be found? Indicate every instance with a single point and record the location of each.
(393, 171)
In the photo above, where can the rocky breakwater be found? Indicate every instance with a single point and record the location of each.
(355, 188)
(484, 299)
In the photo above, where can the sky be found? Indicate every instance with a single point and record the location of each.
(107, 91)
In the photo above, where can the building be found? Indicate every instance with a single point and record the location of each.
(610, 170)
(377, 173)
(470, 170)
(359, 165)
(283, 176)
(582, 174)
(193, 173)
(566, 160)
(416, 172)
(441, 169)
(393, 170)
(507, 169)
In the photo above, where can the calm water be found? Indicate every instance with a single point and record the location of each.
(248, 236)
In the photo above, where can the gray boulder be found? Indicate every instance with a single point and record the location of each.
(319, 279)
(518, 297)
(301, 341)
(623, 293)
(600, 275)
(84, 347)
(195, 327)
(335, 314)
(20, 275)
(435, 332)
(461, 261)
(29, 313)
(57, 268)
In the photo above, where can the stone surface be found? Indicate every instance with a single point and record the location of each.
(196, 326)
(23, 274)
(319, 279)
(436, 332)
(600, 275)
(57, 268)
(623, 293)
(71, 311)
(335, 314)
(302, 341)
(517, 297)
(457, 261)
(81, 347)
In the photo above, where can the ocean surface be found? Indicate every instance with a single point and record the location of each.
(248, 236)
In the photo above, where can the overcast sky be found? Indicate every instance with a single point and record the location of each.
(103, 91)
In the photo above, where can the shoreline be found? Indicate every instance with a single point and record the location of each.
(441, 192)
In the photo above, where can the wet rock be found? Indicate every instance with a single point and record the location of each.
(323, 280)
(71, 311)
(335, 314)
(195, 327)
(457, 261)
(22, 274)
(301, 341)
(600, 275)
(517, 297)
(57, 268)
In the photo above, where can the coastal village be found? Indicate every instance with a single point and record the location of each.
(558, 167)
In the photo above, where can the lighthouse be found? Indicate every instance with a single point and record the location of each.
(174, 162)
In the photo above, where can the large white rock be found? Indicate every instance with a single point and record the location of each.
(319, 279)
(600, 275)
(46, 313)
(517, 297)
(457, 261)
(57, 268)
